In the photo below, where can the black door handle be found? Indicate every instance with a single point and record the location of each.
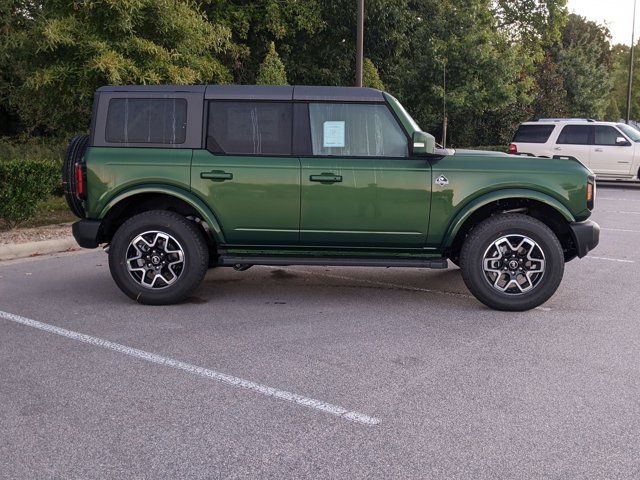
(326, 178)
(217, 175)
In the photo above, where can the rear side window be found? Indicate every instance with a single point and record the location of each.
(575, 135)
(355, 130)
(146, 120)
(606, 135)
(250, 128)
(533, 133)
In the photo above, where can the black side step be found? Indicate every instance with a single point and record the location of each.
(229, 260)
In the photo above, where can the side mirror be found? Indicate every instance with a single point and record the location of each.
(423, 144)
(622, 142)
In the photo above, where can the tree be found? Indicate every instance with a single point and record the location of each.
(370, 75)
(272, 71)
(584, 60)
(62, 51)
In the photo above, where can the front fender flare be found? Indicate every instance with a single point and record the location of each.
(479, 202)
(187, 197)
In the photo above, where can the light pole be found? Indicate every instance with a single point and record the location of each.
(630, 85)
(360, 44)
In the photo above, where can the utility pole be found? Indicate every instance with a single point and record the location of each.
(631, 59)
(360, 44)
(445, 120)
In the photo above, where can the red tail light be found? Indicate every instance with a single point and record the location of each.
(80, 183)
(513, 149)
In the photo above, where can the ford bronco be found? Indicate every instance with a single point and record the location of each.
(175, 180)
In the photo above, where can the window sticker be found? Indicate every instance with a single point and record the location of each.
(333, 135)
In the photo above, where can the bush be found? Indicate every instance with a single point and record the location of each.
(36, 148)
(24, 184)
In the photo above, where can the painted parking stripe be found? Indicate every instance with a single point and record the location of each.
(200, 371)
(610, 259)
(620, 230)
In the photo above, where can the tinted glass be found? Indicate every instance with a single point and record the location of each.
(250, 128)
(606, 135)
(631, 132)
(356, 130)
(146, 120)
(533, 133)
(575, 135)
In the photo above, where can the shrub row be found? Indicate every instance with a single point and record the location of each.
(24, 184)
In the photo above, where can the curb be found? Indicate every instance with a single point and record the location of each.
(31, 249)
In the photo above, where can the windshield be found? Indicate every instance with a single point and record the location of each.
(630, 132)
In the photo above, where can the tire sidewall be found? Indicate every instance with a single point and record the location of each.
(173, 225)
(472, 263)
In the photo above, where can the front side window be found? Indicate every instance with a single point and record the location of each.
(250, 128)
(575, 135)
(631, 132)
(146, 120)
(355, 130)
(606, 135)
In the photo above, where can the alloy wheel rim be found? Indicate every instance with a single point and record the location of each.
(155, 259)
(514, 264)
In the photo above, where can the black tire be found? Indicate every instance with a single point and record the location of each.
(188, 237)
(481, 239)
(74, 154)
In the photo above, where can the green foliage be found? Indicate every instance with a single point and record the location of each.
(584, 60)
(23, 186)
(61, 51)
(505, 60)
(370, 75)
(272, 71)
(36, 148)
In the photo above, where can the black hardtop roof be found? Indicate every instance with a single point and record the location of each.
(260, 92)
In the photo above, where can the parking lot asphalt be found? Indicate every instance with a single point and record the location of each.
(263, 373)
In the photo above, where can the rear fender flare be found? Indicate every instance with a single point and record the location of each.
(203, 210)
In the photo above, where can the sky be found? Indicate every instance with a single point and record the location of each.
(615, 14)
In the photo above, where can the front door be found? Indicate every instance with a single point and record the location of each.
(247, 174)
(575, 141)
(359, 187)
(607, 156)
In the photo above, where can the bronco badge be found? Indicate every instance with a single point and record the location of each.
(442, 181)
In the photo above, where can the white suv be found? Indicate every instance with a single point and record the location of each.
(611, 150)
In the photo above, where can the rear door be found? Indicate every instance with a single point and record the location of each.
(607, 156)
(247, 174)
(575, 141)
(359, 186)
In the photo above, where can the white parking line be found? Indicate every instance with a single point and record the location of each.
(626, 212)
(200, 371)
(610, 259)
(618, 199)
(620, 230)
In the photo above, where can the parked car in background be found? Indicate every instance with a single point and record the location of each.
(611, 150)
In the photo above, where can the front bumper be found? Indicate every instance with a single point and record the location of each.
(586, 236)
(87, 232)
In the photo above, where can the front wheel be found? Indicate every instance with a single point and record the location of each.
(512, 262)
(158, 257)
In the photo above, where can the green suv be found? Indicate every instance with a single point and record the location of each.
(179, 179)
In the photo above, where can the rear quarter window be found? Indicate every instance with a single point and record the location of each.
(533, 133)
(146, 120)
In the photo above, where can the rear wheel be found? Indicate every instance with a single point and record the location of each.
(158, 257)
(512, 262)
